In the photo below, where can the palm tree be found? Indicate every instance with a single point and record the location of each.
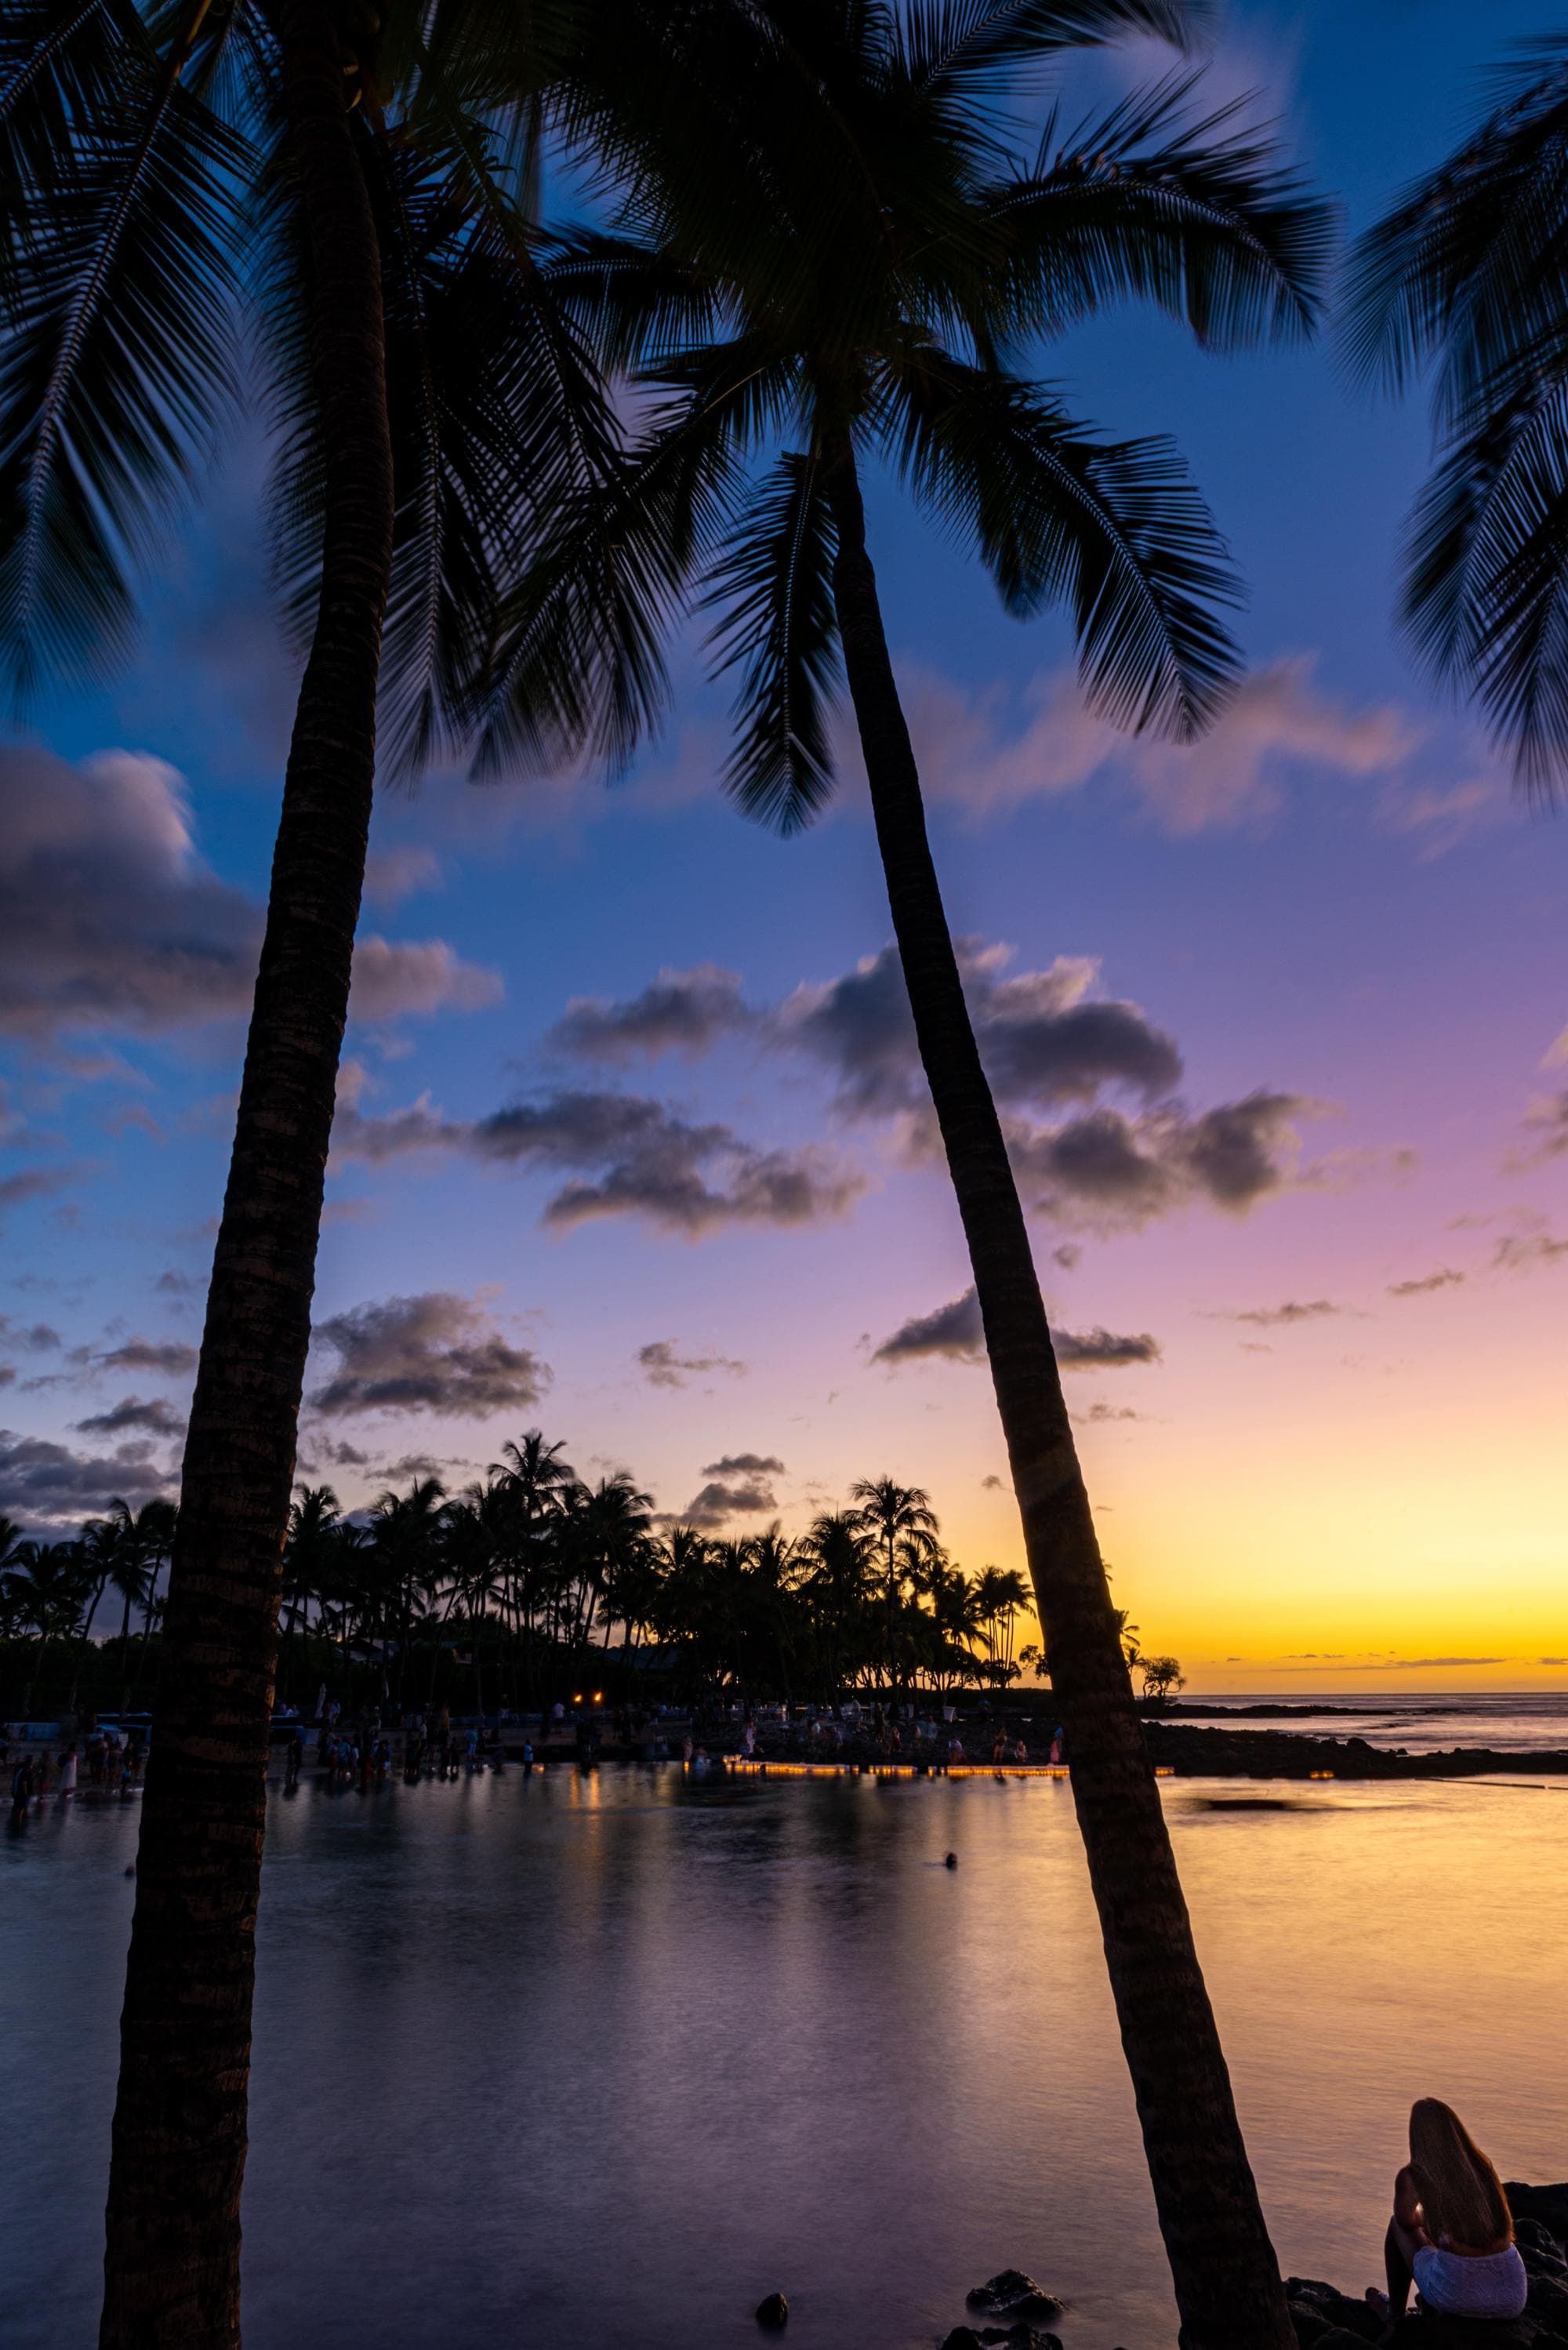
(871, 293)
(1465, 270)
(48, 1584)
(899, 1520)
(338, 177)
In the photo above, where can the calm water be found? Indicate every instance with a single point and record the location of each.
(605, 2057)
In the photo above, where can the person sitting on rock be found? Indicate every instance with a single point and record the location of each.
(1453, 2232)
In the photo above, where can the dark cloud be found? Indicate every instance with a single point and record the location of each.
(170, 1358)
(46, 1483)
(174, 1285)
(1040, 1039)
(633, 1157)
(1108, 1171)
(719, 1501)
(435, 1352)
(744, 1464)
(954, 1330)
(1275, 1317)
(682, 1012)
(1444, 1278)
(1527, 1252)
(1069, 1256)
(7, 1376)
(156, 1417)
(1099, 1412)
(38, 1338)
(109, 919)
(663, 1368)
(33, 1183)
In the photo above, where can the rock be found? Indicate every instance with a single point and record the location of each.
(1310, 2299)
(1549, 2205)
(1538, 2248)
(963, 2337)
(1548, 2302)
(1020, 2338)
(1013, 2294)
(772, 2313)
(1007, 2285)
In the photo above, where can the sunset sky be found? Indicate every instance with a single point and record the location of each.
(632, 1145)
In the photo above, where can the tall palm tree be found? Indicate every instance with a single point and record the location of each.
(172, 180)
(872, 294)
(1465, 270)
(900, 1521)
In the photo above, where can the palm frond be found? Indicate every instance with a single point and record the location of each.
(1195, 215)
(1486, 594)
(773, 583)
(577, 660)
(117, 362)
(980, 46)
(1469, 263)
(1115, 529)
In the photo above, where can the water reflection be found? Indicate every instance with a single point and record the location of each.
(606, 2057)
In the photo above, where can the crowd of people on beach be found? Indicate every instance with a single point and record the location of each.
(113, 1767)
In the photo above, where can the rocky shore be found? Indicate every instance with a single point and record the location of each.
(1192, 1752)
(1327, 2319)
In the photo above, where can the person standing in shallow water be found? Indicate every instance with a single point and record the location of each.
(1451, 2234)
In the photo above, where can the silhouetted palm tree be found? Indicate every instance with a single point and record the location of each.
(340, 179)
(871, 294)
(1466, 269)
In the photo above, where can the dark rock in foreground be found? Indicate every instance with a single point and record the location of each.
(1327, 2319)
(1012, 2294)
(772, 2313)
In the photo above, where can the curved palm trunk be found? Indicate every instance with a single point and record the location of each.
(1226, 2276)
(172, 2257)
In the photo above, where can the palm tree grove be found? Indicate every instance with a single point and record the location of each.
(568, 477)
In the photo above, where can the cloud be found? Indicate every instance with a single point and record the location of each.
(43, 1483)
(1445, 1277)
(1107, 1171)
(1040, 1035)
(435, 1352)
(993, 1485)
(682, 1012)
(632, 1157)
(719, 1501)
(156, 1417)
(38, 1338)
(744, 1464)
(990, 753)
(1099, 1412)
(393, 874)
(1277, 1318)
(663, 1368)
(954, 1331)
(108, 916)
(1527, 1252)
(170, 1358)
(1547, 1120)
(33, 1183)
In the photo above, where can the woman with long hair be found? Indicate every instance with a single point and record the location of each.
(1453, 2232)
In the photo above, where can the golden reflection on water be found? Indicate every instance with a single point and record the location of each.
(604, 2056)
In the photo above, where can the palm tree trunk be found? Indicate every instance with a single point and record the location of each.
(173, 2259)
(1223, 2264)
